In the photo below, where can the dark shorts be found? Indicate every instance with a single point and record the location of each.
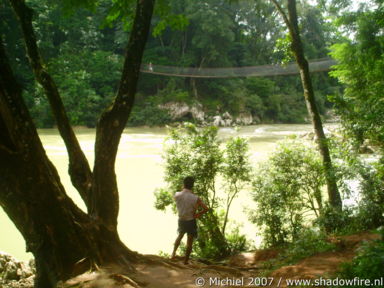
(188, 226)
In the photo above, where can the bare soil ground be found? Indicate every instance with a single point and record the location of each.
(239, 271)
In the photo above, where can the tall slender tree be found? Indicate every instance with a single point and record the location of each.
(63, 239)
(291, 20)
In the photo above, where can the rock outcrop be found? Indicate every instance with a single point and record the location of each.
(224, 120)
(14, 273)
(245, 118)
(182, 111)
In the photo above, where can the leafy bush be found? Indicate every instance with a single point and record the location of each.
(368, 264)
(309, 243)
(286, 187)
(367, 191)
(173, 94)
(237, 242)
(371, 208)
(86, 89)
(198, 151)
(288, 190)
(360, 106)
(336, 221)
(148, 113)
(163, 199)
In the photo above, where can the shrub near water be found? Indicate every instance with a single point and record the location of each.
(221, 172)
(366, 209)
(368, 264)
(287, 191)
(310, 242)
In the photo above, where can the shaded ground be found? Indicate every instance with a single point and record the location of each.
(239, 271)
(327, 263)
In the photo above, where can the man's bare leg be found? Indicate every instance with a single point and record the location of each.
(189, 249)
(177, 244)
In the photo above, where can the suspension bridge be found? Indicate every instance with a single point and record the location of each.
(317, 65)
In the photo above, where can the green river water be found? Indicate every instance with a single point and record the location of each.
(139, 172)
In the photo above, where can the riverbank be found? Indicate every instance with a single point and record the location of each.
(140, 171)
(245, 268)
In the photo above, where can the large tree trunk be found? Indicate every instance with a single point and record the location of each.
(63, 239)
(297, 49)
(78, 169)
(105, 197)
(56, 231)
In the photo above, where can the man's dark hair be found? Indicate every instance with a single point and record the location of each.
(188, 182)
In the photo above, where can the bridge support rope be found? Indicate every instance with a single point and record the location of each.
(317, 65)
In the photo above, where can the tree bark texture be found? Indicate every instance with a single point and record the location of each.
(56, 231)
(297, 48)
(61, 236)
(79, 169)
(105, 198)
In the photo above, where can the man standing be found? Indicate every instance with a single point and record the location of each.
(189, 207)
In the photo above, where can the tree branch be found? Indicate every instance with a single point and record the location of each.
(79, 169)
(282, 13)
(309, 96)
(105, 200)
(7, 140)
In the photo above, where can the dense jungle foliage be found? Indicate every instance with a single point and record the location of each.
(291, 208)
(84, 54)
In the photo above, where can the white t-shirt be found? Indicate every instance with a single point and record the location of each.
(186, 203)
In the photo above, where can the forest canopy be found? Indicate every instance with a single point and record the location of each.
(75, 45)
(76, 63)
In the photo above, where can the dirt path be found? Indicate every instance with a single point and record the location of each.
(159, 272)
(327, 263)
